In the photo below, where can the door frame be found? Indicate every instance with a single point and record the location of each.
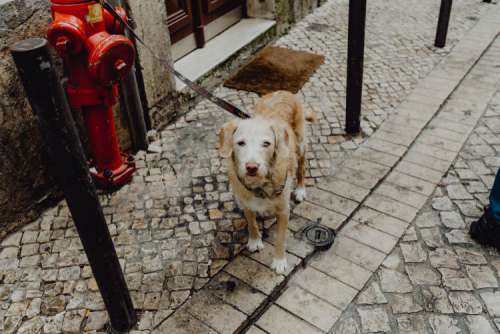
(181, 22)
(200, 12)
(206, 22)
(198, 24)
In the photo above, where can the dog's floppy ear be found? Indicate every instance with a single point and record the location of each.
(282, 138)
(279, 168)
(226, 138)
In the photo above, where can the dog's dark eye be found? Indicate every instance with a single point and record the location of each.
(266, 144)
(241, 143)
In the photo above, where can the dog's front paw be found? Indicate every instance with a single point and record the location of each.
(279, 265)
(300, 194)
(254, 245)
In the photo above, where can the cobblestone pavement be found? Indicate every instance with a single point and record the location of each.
(437, 280)
(175, 225)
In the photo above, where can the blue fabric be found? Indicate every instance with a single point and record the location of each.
(495, 198)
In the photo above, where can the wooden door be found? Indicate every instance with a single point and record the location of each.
(213, 9)
(188, 20)
(179, 19)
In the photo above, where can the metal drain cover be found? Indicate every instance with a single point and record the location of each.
(320, 236)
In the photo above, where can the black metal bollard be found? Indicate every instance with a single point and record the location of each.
(355, 60)
(444, 21)
(129, 94)
(69, 167)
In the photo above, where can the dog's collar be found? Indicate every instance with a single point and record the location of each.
(259, 192)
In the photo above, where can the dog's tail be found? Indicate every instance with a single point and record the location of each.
(311, 117)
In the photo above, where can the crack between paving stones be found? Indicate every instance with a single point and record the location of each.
(271, 299)
(170, 315)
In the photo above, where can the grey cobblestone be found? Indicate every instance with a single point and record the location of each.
(373, 319)
(441, 280)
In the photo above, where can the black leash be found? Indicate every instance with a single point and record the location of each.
(197, 88)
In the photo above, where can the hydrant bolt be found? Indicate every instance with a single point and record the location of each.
(62, 44)
(120, 65)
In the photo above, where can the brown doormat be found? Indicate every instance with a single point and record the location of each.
(275, 69)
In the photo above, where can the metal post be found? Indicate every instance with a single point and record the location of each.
(129, 94)
(444, 21)
(69, 167)
(355, 59)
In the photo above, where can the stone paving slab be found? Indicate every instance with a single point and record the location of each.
(331, 201)
(410, 182)
(403, 195)
(338, 294)
(358, 253)
(244, 298)
(341, 269)
(277, 320)
(254, 274)
(215, 313)
(183, 323)
(314, 212)
(370, 236)
(344, 189)
(380, 221)
(308, 306)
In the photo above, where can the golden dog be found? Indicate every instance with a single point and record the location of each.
(264, 154)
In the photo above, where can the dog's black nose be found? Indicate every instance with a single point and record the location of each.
(252, 169)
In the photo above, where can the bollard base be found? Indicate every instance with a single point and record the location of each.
(113, 179)
(443, 23)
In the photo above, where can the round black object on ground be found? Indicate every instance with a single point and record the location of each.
(320, 236)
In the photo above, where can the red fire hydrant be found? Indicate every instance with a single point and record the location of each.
(96, 56)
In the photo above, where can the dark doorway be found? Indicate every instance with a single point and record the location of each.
(192, 23)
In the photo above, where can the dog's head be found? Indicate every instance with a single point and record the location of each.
(257, 147)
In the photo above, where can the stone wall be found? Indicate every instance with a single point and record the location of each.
(24, 183)
(150, 20)
(285, 12)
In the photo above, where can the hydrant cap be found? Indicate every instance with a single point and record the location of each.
(111, 58)
(67, 36)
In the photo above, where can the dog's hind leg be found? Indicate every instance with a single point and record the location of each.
(280, 263)
(254, 238)
(300, 191)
